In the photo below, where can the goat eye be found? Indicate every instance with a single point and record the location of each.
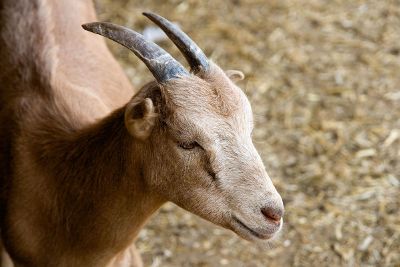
(188, 145)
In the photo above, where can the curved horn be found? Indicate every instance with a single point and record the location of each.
(160, 63)
(193, 54)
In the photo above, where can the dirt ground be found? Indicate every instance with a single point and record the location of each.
(323, 79)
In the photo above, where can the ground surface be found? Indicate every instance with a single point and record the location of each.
(323, 79)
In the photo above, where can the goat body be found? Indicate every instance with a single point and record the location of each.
(57, 81)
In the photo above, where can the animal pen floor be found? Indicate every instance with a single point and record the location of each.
(323, 79)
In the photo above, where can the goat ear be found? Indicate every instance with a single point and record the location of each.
(140, 118)
(235, 75)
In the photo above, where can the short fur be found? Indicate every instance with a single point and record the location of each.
(77, 183)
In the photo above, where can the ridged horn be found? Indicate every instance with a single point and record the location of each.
(192, 52)
(161, 64)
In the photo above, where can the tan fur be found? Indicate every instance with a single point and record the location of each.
(215, 90)
(83, 165)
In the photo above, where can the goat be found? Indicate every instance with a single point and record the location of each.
(84, 162)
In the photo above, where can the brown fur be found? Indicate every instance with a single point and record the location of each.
(38, 107)
(213, 89)
(77, 182)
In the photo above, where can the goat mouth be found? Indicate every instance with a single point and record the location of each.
(242, 226)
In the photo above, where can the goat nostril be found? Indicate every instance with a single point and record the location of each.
(273, 214)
